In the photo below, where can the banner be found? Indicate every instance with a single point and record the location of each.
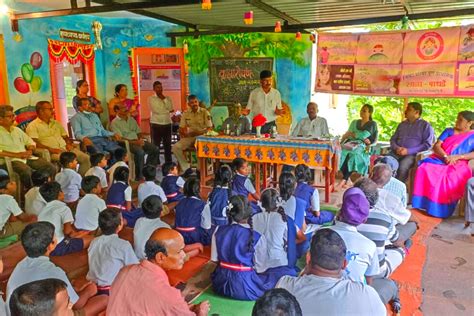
(435, 62)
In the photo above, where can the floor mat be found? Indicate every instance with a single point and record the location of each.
(225, 306)
(408, 275)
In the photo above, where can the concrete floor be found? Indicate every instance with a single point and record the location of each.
(448, 275)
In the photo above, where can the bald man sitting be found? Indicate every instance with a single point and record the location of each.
(144, 289)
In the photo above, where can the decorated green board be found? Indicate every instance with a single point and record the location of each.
(232, 79)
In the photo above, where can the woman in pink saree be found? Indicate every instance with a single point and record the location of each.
(121, 96)
(441, 179)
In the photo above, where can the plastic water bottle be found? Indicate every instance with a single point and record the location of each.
(273, 132)
(238, 130)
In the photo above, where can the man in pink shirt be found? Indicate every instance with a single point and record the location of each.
(144, 289)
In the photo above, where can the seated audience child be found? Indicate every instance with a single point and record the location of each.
(39, 241)
(42, 297)
(98, 163)
(108, 253)
(304, 191)
(294, 207)
(120, 196)
(145, 226)
(280, 255)
(193, 215)
(149, 187)
(277, 302)
(9, 210)
(59, 214)
(121, 160)
(241, 184)
(89, 207)
(172, 184)
(220, 195)
(323, 289)
(233, 247)
(69, 179)
(34, 202)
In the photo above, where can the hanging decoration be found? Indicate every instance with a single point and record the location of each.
(298, 36)
(278, 27)
(185, 47)
(97, 29)
(71, 51)
(312, 38)
(133, 75)
(248, 17)
(206, 5)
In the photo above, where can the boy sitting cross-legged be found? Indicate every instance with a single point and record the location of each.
(59, 214)
(108, 253)
(89, 207)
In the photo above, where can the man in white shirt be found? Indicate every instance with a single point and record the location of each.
(50, 135)
(311, 126)
(323, 290)
(161, 106)
(266, 101)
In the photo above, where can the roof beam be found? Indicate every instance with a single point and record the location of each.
(109, 6)
(299, 27)
(273, 11)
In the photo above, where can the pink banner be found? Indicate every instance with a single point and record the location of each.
(335, 78)
(431, 46)
(424, 79)
(377, 79)
(466, 43)
(465, 84)
(337, 49)
(380, 48)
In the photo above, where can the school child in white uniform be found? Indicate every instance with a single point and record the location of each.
(89, 207)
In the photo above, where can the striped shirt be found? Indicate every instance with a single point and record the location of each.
(397, 188)
(380, 228)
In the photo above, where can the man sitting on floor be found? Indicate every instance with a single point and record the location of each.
(322, 289)
(394, 186)
(164, 251)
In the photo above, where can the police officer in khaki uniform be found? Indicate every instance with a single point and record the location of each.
(194, 122)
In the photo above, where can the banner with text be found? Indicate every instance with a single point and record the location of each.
(435, 62)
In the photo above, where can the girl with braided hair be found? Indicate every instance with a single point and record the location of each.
(306, 192)
(219, 197)
(279, 233)
(233, 247)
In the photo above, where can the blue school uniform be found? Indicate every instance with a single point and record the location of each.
(172, 190)
(116, 198)
(295, 210)
(241, 185)
(193, 220)
(235, 276)
(305, 192)
(218, 200)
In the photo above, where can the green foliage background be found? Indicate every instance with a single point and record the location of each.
(388, 112)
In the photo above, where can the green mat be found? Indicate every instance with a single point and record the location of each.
(225, 306)
(328, 207)
(7, 241)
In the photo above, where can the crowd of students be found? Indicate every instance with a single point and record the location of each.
(255, 239)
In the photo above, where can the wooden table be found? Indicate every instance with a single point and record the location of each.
(283, 150)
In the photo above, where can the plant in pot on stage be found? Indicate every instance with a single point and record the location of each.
(257, 122)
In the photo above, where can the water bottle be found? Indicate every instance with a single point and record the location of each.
(273, 132)
(238, 130)
(227, 129)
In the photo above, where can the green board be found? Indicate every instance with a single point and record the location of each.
(232, 79)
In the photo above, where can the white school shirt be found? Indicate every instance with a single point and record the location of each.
(34, 201)
(306, 127)
(393, 205)
(34, 269)
(70, 182)
(333, 296)
(87, 212)
(142, 231)
(361, 255)
(290, 207)
(275, 230)
(115, 166)
(148, 188)
(107, 255)
(100, 173)
(57, 213)
(8, 206)
(264, 103)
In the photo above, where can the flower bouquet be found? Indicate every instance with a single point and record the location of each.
(257, 122)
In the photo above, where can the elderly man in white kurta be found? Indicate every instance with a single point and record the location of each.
(265, 100)
(313, 125)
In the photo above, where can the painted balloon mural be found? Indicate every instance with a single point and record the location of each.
(28, 82)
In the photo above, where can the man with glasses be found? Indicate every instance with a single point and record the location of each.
(16, 144)
(51, 135)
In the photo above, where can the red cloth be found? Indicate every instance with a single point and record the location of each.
(144, 289)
